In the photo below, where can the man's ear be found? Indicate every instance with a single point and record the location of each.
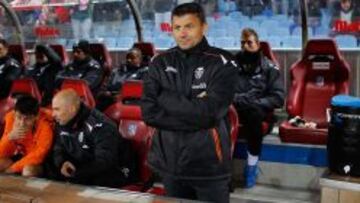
(205, 28)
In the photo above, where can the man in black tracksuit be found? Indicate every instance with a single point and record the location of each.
(88, 148)
(10, 69)
(259, 90)
(44, 71)
(83, 67)
(186, 97)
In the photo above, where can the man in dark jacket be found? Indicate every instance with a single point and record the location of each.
(44, 71)
(133, 69)
(83, 67)
(88, 148)
(10, 69)
(186, 97)
(258, 92)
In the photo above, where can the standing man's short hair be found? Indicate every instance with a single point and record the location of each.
(4, 43)
(189, 8)
(27, 105)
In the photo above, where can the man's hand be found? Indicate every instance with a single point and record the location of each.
(17, 133)
(9, 171)
(202, 94)
(68, 169)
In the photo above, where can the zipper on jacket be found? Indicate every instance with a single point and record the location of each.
(216, 137)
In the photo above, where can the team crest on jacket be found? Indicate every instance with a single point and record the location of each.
(199, 71)
(132, 129)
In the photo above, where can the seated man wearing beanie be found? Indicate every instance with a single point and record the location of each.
(27, 138)
(83, 67)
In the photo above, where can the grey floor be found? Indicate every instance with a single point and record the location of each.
(268, 194)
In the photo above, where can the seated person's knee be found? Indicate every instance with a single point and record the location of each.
(5, 163)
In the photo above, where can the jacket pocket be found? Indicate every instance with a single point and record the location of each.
(217, 143)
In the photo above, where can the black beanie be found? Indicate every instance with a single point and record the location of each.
(83, 45)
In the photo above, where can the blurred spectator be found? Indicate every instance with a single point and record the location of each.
(83, 67)
(111, 11)
(251, 7)
(47, 65)
(162, 12)
(62, 13)
(313, 13)
(81, 19)
(47, 17)
(10, 69)
(346, 10)
(209, 6)
(146, 8)
(27, 17)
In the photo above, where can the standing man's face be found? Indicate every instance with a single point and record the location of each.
(3, 50)
(188, 30)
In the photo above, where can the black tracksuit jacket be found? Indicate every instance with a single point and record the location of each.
(192, 139)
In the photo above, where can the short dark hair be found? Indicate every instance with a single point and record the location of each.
(27, 105)
(247, 32)
(189, 8)
(4, 43)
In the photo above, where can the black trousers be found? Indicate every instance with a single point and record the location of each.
(251, 118)
(203, 190)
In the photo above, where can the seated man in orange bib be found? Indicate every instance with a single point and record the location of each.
(27, 138)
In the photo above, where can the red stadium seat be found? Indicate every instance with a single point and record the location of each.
(6, 105)
(234, 127)
(18, 51)
(132, 127)
(100, 53)
(132, 93)
(319, 75)
(61, 51)
(266, 50)
(82, 88)
(27, 86)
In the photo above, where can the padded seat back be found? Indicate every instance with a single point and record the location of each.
(83, 90)
(234, 126)
(266, 50)
(132, 127)
(320, 74)
(25, 86)
(61, 51)
(18, 52)
(100, 53)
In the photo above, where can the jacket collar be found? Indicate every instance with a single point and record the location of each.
(80, 117)
(200, 47)
(259, 64)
